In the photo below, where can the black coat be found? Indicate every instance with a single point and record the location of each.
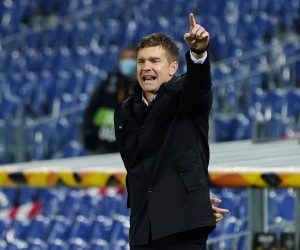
(165, 151)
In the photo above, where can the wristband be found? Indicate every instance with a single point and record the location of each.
(200, 51)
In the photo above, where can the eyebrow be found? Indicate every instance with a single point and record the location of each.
(151, 58)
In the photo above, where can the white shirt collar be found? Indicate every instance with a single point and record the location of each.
(145, 100)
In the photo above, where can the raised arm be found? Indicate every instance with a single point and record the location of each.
(196, 96)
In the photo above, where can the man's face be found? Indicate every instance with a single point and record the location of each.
(154, 68)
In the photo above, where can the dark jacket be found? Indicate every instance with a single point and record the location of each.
(98, 133)
(165, 151)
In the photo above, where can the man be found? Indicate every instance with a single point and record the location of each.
(162, 135)
(97, 129)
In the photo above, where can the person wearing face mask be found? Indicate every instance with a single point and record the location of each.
(97, 129)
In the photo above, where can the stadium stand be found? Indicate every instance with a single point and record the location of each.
(54, 53)
(66, 204)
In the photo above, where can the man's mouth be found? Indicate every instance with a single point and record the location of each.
(148, 78)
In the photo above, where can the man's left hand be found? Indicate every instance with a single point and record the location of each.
(197, 37)
(218, 212)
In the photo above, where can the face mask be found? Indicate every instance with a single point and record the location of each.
(128, 67)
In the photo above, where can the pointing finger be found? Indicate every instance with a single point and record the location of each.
(192, 21)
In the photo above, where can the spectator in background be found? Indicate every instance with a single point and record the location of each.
(97, 129)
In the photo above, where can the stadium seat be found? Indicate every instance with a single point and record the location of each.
(58, 229)
(119, 233)
(17, 244)
(37, 244)
(58, 244)
(89, 204)
(231, 225)
(239, 128)
(19, 229)
(73, 200)
(78, 244)
(100, 229)
(293, 103)
(50, 200)
(74, 148)
(221, 127)
(4, 226)
(99, 245)
(79, 228)
(275, 101)
(7, 197)
(3, 244)
(38, 229)
(287, 206)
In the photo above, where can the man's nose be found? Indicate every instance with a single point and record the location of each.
(146, 65)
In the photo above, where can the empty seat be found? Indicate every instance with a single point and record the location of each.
(231, 226)
(19, 229)
(100, 245)
(80, 228)
(58, 244)
(17, 244)
(58, 229)
(293, 103)
(38, 229)
(37, 244)
(100, 229)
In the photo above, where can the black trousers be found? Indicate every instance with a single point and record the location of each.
(188, 240)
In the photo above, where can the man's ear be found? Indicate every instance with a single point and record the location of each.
(173, 68)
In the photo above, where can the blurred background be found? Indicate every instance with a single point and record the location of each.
(54, 53)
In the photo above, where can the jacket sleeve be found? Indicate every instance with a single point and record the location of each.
(196, 96)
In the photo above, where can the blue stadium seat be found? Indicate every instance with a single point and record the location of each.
(38, 229)
(119, 233)
(288, 205)
(275, 128)
(58, 244)
(19, 229)
(9, 107)
(240, 127)
(80, 228)
(230, 201)
(17, 244)
(58, 229)
(74, 148)
(78, 244)
(4, 226)
(275, 100)
(8, 196)
(275, 199)
(231, 226)
(73, 200)
(100, 245)
(50, 201)
(25, 195)
(221, 127)
(293, 103)
(3, 244)
(89, 204)
(100, 229)
(37, 244)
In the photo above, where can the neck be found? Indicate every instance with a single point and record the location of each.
(149, 96)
